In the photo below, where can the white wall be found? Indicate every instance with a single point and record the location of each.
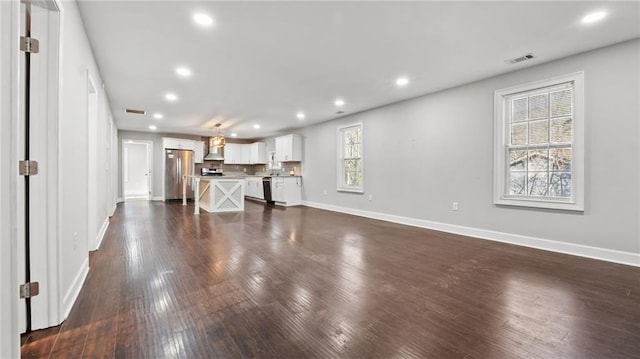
(423, 154)
(77, 59)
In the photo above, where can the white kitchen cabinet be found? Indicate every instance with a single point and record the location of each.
(198, 151)
(289, 148)
(254, 188)
(246, 153)
(287, 191)
(258, 153)
(232, 153)
(237, 153)
(277, 189)
(177, 143)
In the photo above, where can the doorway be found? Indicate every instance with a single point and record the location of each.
(136, 170)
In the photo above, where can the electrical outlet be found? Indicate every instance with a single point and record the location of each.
(370, 197)
(244, 169)
(75, 240)
(324, 192)
(455, 206)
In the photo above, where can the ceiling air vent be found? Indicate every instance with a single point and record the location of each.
(526, 57)
(340, 112)
(137, 112)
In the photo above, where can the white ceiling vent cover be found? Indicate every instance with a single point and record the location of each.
(526, 57)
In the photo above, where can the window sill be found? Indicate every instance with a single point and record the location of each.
(539, 203)
(351, 190)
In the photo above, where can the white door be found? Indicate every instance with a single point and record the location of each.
(36, 194)
(136, 171)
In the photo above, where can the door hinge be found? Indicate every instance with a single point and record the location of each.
(29, 290)
(29, 44)
(28, 168)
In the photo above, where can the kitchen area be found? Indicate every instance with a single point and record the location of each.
(218, 175)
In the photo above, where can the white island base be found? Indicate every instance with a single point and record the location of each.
(220, 194)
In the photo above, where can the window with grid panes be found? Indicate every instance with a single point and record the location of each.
(350, 171)
(539, 144)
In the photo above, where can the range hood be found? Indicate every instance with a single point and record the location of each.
(215, 153)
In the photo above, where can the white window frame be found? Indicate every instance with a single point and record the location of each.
(502, 136)
(341, 187)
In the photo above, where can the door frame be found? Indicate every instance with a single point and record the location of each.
(9, 87)
(92, 159)
(149, 165)
(48, 306)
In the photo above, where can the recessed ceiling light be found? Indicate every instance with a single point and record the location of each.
(256, 126)
(183, 71)
(594, 17)
(157, 116)
(300, 115)
(234, 135)
(402, 81)
(203, 19)
(152, 127)
(339, 102)
(171, 97)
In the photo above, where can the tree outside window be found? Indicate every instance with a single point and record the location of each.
(350, 161)
(539, 144)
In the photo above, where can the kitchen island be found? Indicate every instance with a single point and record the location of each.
(220, 193)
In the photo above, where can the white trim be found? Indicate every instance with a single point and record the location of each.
(113, 211)
(54, 187)
(609, 255)
(92, 156)
(74, 290)
(9, 75)
(103, 231)
(576, 202)
(157, 198)
(119, 200)
(340, 147)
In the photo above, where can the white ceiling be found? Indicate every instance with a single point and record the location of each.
(262, 62)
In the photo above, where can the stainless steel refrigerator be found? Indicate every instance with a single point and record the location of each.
(177, 163)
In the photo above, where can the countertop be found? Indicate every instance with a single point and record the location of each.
(241, 176)
(209, 178)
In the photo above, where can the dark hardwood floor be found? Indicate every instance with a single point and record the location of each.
(306, 283)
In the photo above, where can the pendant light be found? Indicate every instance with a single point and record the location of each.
(218, 140)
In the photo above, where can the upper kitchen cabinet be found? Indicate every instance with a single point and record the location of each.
(198, 151)
(183, 144)
(258, 153)
(289, 148)
(177, 143)
(232, 153)
(246, 154)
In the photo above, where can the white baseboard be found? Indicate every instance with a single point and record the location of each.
(113, 211)
(119, 200)
(610, 255)
(157, 198)
(72, 294)
(102, 232)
